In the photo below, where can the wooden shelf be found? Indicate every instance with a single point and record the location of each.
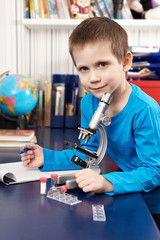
(71, 23)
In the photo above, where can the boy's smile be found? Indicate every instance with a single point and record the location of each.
(98, 69)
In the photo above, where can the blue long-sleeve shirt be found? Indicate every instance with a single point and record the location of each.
(133, 143)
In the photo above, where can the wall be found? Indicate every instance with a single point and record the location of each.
(40, 53)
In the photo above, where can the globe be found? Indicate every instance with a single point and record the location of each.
(18, 95)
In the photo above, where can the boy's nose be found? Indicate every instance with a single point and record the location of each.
(94, 76)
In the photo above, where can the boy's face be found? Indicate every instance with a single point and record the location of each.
(98, 69)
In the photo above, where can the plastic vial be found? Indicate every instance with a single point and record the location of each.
(43, 186)
(63, 188)
(54, 181)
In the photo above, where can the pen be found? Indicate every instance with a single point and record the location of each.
(25, 150)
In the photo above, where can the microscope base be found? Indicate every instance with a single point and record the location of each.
(68, 181)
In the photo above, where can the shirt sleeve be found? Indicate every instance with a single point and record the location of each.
(59, 160)
(146, 175)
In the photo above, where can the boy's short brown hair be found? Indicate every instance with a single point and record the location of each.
(100, 29)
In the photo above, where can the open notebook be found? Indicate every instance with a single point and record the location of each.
(12, 173)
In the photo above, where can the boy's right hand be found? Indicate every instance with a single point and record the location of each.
(32, 158)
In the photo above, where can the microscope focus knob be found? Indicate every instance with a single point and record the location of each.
(106, 121)
(79, 162)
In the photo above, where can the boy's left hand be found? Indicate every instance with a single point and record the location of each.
(90, 181)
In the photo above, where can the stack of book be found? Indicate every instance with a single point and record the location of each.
(16, 138)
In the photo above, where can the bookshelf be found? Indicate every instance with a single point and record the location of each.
(71, 23)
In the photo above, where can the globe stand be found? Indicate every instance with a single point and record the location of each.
(20, 121)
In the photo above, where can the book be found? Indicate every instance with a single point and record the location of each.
(26, 9)
(47, 103)
(55, 9)
(59, 99)
(94, 9)
(41, 9)
(75, 101)
(103, 11)
(36, 7)
(109, 6)
(51, 9)
(32, 9)
(45, 8)
(126, 12)
(60, 9)
(13, 173)
(16, 135)
(142, 74)
(16, 144)
(66, 9)
(40, 107)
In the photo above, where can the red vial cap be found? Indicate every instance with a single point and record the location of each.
(54, 176)
(43, 179)
(64, 188)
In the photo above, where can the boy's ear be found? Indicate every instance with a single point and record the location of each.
(127, 62)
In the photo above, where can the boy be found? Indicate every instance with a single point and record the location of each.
(99, 49)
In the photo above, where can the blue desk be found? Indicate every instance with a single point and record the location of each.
(25, 214)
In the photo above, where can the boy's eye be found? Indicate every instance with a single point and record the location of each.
(83, 69)
(102, 64)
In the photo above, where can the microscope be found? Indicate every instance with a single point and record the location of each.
(93, 158)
